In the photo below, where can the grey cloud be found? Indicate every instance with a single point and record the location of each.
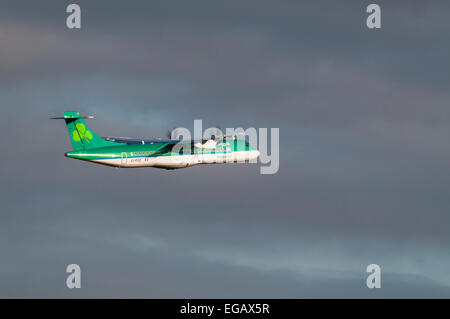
(364, 171)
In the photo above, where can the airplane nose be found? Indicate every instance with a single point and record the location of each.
(254, 154)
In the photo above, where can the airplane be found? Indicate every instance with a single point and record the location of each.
(167, 154)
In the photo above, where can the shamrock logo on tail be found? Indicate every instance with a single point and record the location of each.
(82, 133)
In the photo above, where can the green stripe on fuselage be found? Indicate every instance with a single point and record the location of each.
(156, 149)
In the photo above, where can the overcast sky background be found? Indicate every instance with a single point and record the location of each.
(364, 118)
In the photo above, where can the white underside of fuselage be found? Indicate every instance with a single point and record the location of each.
(179, 161)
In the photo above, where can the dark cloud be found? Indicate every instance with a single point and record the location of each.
(364, 174)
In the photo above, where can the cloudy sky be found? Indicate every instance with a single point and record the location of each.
(364, 118)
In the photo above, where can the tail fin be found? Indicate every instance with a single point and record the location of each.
(81, 136)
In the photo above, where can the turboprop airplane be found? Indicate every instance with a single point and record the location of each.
(168, 154)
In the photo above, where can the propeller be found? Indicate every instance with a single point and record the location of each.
(224, 136)
(215, 135)
(169, 133)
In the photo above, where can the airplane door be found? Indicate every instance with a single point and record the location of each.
(197, 157)
(123, 160)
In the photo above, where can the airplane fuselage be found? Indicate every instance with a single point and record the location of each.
(167, 155)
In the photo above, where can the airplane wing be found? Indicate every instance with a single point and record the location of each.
(204, 143)
(129, 140)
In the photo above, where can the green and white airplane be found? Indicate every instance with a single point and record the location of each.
(168, 154)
